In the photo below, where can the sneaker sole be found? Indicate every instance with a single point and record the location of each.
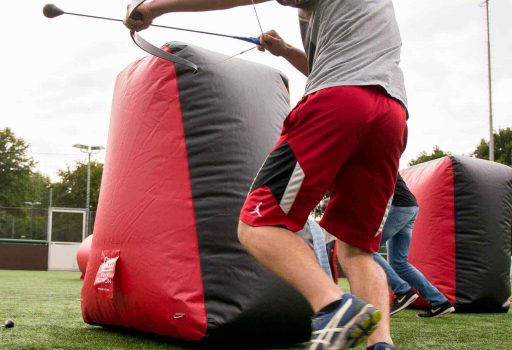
(359, 329)
(409, 302)
(445, 312)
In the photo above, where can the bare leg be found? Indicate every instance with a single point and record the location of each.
(367, 281)
(288, 256)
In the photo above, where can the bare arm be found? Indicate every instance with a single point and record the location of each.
(148, 11)
(165, 6)
(273, 43)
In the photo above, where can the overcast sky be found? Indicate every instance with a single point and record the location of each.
(57, 75)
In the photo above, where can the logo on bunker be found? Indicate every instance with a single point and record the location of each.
(256, 210)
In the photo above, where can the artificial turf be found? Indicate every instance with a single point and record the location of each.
(45, 307)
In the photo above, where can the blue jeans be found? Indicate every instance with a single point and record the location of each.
(313, 235)
(319, 246)
(402, 276)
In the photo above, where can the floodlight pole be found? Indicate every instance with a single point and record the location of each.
(491, 132)
(89, 150)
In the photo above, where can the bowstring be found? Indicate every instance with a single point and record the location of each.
(252, 48)
(257, 17)
(244, 51)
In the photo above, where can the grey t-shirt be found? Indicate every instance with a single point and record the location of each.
(351, 42)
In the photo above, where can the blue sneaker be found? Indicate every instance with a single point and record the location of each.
(347, 326)
(381, 346)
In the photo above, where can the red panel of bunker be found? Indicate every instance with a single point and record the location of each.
(157, 286)
(433, 243)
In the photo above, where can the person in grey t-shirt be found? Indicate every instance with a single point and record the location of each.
(351, 42)
(345, 136)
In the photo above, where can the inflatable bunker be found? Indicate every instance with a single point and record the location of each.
(183, 150)
(462, 237)
(82, 255)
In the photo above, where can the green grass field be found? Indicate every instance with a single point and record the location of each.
(45, 307)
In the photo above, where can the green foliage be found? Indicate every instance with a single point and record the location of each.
(38, 188)
(425, 157)
(318, 211)
(67, 227)
(502, 147)
(71, 190)
(27, 220)
(15, 169)
(18, 182)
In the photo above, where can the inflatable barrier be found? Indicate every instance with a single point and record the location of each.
(183, 149)
(462, 237)
(82, 255)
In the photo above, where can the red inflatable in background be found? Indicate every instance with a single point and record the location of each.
(82, 255)
(461, 239)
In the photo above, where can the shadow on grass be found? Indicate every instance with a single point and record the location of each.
(162, 341)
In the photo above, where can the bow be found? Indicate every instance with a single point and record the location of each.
(152, 49)
(158, 52)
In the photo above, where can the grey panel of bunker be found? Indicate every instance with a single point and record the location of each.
(483, 224)
(232, 114)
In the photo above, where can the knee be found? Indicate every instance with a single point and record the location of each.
(349, 252)
(245, 233)
(353, 258)
(399, 265)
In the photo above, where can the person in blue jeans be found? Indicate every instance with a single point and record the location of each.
(402, 276)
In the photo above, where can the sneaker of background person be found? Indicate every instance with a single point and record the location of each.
(402, 301)
(439, 310)
(344, 324)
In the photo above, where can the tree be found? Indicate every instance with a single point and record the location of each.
(425, 157)
(71, 190)
(319, 210)
(37, 188)
(502, 147)
(18, 183)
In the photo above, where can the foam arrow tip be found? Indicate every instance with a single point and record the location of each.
(51, 11)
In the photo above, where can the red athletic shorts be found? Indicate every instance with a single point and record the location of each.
(346, 140)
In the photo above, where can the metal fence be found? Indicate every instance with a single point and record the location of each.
(32, 224)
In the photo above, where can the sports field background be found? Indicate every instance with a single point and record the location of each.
(45, 307)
